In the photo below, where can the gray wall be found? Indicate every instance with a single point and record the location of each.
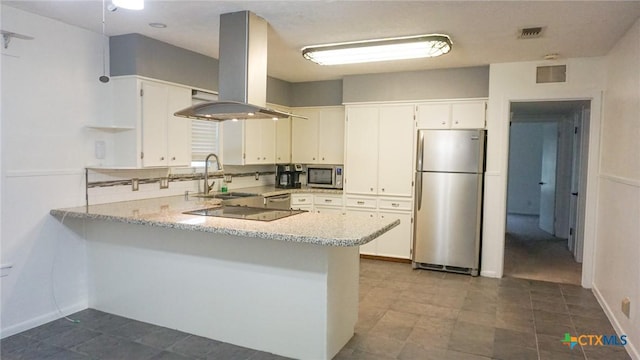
(317, 93)
(135, 54)
(471, 82)
(525, 166)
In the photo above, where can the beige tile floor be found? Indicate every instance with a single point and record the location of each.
(405, 314)
(531, 253)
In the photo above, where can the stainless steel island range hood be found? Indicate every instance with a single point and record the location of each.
(242, 73)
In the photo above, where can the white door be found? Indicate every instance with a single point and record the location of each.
(331, 136)
(395, 146)
(548, 177)
(154, 124)
(361, 165)
(304, 137)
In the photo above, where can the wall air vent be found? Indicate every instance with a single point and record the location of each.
(551, 74)
(531, 33)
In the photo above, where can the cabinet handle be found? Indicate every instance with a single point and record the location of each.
(313, 158)
(395, 204)
(360, 203)
(322, 158)
(371, 189)
(264, 158)
(173, 158)
(302, 200)
(327, 200)
(162, 158)
(382, 189)
(444, 122)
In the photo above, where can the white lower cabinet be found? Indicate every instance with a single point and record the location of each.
(302, 202)
(328, 204)
(395, 243)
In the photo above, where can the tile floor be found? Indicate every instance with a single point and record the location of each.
(404, 314)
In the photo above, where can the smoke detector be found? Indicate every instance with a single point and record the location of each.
(531, 32)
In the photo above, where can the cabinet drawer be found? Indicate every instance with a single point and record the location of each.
(302, 199)
(395, 204)
(369, 203)
(327, 200)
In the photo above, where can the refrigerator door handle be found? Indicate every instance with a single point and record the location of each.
(419, 189)
(420, 151)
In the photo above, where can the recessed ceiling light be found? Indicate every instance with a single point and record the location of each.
(158, 25)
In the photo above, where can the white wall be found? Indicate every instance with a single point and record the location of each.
(617, 250)
(525, 166)
(516, 82)
(50, 89)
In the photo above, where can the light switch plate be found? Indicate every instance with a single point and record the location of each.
(164, 183)
(135, 185)
(228, 178)
(626, 306)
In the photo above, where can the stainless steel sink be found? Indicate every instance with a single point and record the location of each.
(225, 196)
(236, 198)
(245, 212)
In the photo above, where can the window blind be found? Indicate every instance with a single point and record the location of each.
(204, 134)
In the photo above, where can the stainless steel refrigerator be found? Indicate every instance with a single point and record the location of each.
(448, 201)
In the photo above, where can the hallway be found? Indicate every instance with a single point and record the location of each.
(533, 254)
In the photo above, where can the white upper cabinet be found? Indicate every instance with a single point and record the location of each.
(379, 149)
(157, 138)
(361, 165)
(304, 136)
(451, 115)
(319, 139)
(249, 142)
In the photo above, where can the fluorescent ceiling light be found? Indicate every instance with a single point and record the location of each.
(129, 4)
(408, 47)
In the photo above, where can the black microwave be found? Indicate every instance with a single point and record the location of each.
(325, 176)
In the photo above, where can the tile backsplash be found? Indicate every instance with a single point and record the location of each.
(114, 185)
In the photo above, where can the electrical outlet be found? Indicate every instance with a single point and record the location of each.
(257, 175)
(626, 306)
(228, 178)
(135, 185)
(164, 183)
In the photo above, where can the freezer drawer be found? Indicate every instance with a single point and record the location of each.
(447, 220)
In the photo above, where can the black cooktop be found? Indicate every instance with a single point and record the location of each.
(245, 212)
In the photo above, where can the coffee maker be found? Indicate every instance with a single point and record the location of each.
(288, 176)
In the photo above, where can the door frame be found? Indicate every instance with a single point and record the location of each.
(591, 179)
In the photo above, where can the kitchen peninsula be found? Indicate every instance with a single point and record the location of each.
(288, 286)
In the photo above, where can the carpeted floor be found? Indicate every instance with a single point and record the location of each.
(531, 253)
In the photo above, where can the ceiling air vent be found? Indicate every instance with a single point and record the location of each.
(551, 74)
(531, 33)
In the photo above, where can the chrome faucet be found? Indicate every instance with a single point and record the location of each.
(207, 187)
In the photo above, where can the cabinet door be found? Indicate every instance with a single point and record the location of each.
(154, 99)
(468, 115)
(369, 248)
(252, 141)
(268, 141)
(304, 137)
(395, 153)
(397, 241)
(434, 116)
(361, 165)
(178, 128)
(283, 141)
(331, 136)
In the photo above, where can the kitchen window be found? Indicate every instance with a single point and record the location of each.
(205, 135)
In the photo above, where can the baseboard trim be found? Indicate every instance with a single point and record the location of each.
(630, 347)
(489, 274)
(385, 258)
(42, 319)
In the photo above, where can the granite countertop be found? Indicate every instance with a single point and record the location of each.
(167, 212)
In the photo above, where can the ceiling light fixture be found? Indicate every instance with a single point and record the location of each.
(129, 4)
(399, 48)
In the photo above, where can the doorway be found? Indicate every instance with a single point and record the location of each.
(544, 235)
